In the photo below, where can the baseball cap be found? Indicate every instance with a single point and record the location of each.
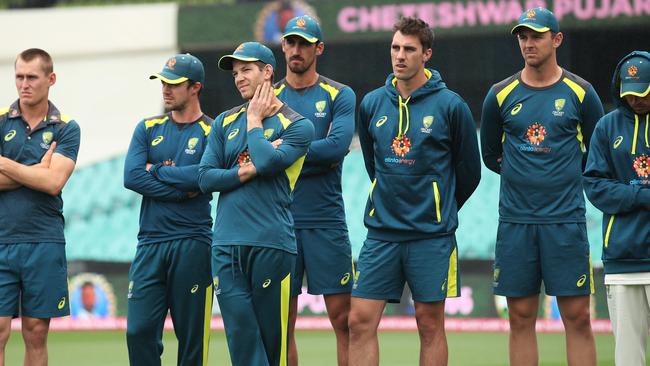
(635, 77)
(248, 51)
(180, 68)
(304, 26)
(538, 19)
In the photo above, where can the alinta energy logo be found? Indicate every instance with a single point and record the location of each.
(244, 158)
(641, 167)
(401, 146)
(535, 135)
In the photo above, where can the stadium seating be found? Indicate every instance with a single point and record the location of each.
(102, 216)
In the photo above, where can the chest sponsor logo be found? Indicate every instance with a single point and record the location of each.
(516, 109)
(617, 142)
(559, 105)
(380, 122)
(401, 146)
(268, 133)
(157, 140)
(10, 135)
(232, 134)
(47, 139)
(244, 158)
(534, 137)
(191, 144)
(641, 166)
(320, 108)
(427, 121)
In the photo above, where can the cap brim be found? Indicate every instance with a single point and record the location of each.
(225, 62)
(307, 37)
(636, 89)
(536, 27)
(169, 78)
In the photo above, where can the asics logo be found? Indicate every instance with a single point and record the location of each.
(345, 279)
(157, 140)
(194, 288)
(10, 135)
(516, 109)
(266, 283)
(616, 142)
(233, 134)
(381, 121)
(61, 303)
(581, 280)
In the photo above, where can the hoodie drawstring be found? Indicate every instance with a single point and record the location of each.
(406, 110)
(647, 119)
(636, 132)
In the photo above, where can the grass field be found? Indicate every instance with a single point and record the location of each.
(316, 349)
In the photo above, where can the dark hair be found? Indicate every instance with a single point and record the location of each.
(192, 82)
(415, 27)
(34, 53)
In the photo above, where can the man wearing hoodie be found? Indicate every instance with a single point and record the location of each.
(419, 145)
(535, 129)
(616, 181)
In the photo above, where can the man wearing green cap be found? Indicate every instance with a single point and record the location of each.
(323, 245)
(535, 131)
(38, 151)
(171, 269)
(617, 182)
(254, 157)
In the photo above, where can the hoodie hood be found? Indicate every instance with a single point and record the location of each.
(616, 82)
(433, 84)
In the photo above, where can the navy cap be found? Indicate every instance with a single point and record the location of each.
(249, 52)
(304, 26)
(538, 19)
(635, 77)
(181, 68)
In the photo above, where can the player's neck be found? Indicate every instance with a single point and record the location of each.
(304, 80)
(34, 114)
(189, 114)
(544, 75)
(407, 87)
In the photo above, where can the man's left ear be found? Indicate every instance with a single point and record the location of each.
(52, 78)
(427, 55)
(557, 40)
(320, 48)
(268, 72)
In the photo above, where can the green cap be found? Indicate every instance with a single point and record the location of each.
(635, 77)
(304, 26)
(180, 68)
(249, 52)
(538, 19)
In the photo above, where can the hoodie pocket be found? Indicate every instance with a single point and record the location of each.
(436, 199)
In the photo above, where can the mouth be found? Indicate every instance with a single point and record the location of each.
(400, 67)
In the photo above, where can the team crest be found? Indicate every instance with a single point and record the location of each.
(191, 144)
(642, 166)
(320, 107)
(268, 133)
(47, 139)
(301, 23)
(536, 133)
(244, 158)
(530, 14)
(171, 63)
(401, 146)
(426, 123)
(239, 48)
(632, 70)
(559, 105)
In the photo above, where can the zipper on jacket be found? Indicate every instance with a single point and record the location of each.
(609, 229)
(436, 197)
(372, 205)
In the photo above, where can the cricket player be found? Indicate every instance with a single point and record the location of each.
(254, 157)
(535, 131)
(38, 151)
(323, 245)
(616, 181)
(171, 269)
(421, 152)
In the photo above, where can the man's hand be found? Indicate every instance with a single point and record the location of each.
(247, 172)
(260, 106)
(276, 143)
(46, 160)
(148, 166)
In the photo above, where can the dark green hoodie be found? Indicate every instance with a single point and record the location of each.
(421, 154)
(617, 181)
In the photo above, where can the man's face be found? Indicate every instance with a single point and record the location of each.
(32, 84)
(407, 56)
(300, 54)
(248, 76)
(177, 96)
(537, 48)
(640, 105)
(88, 297)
